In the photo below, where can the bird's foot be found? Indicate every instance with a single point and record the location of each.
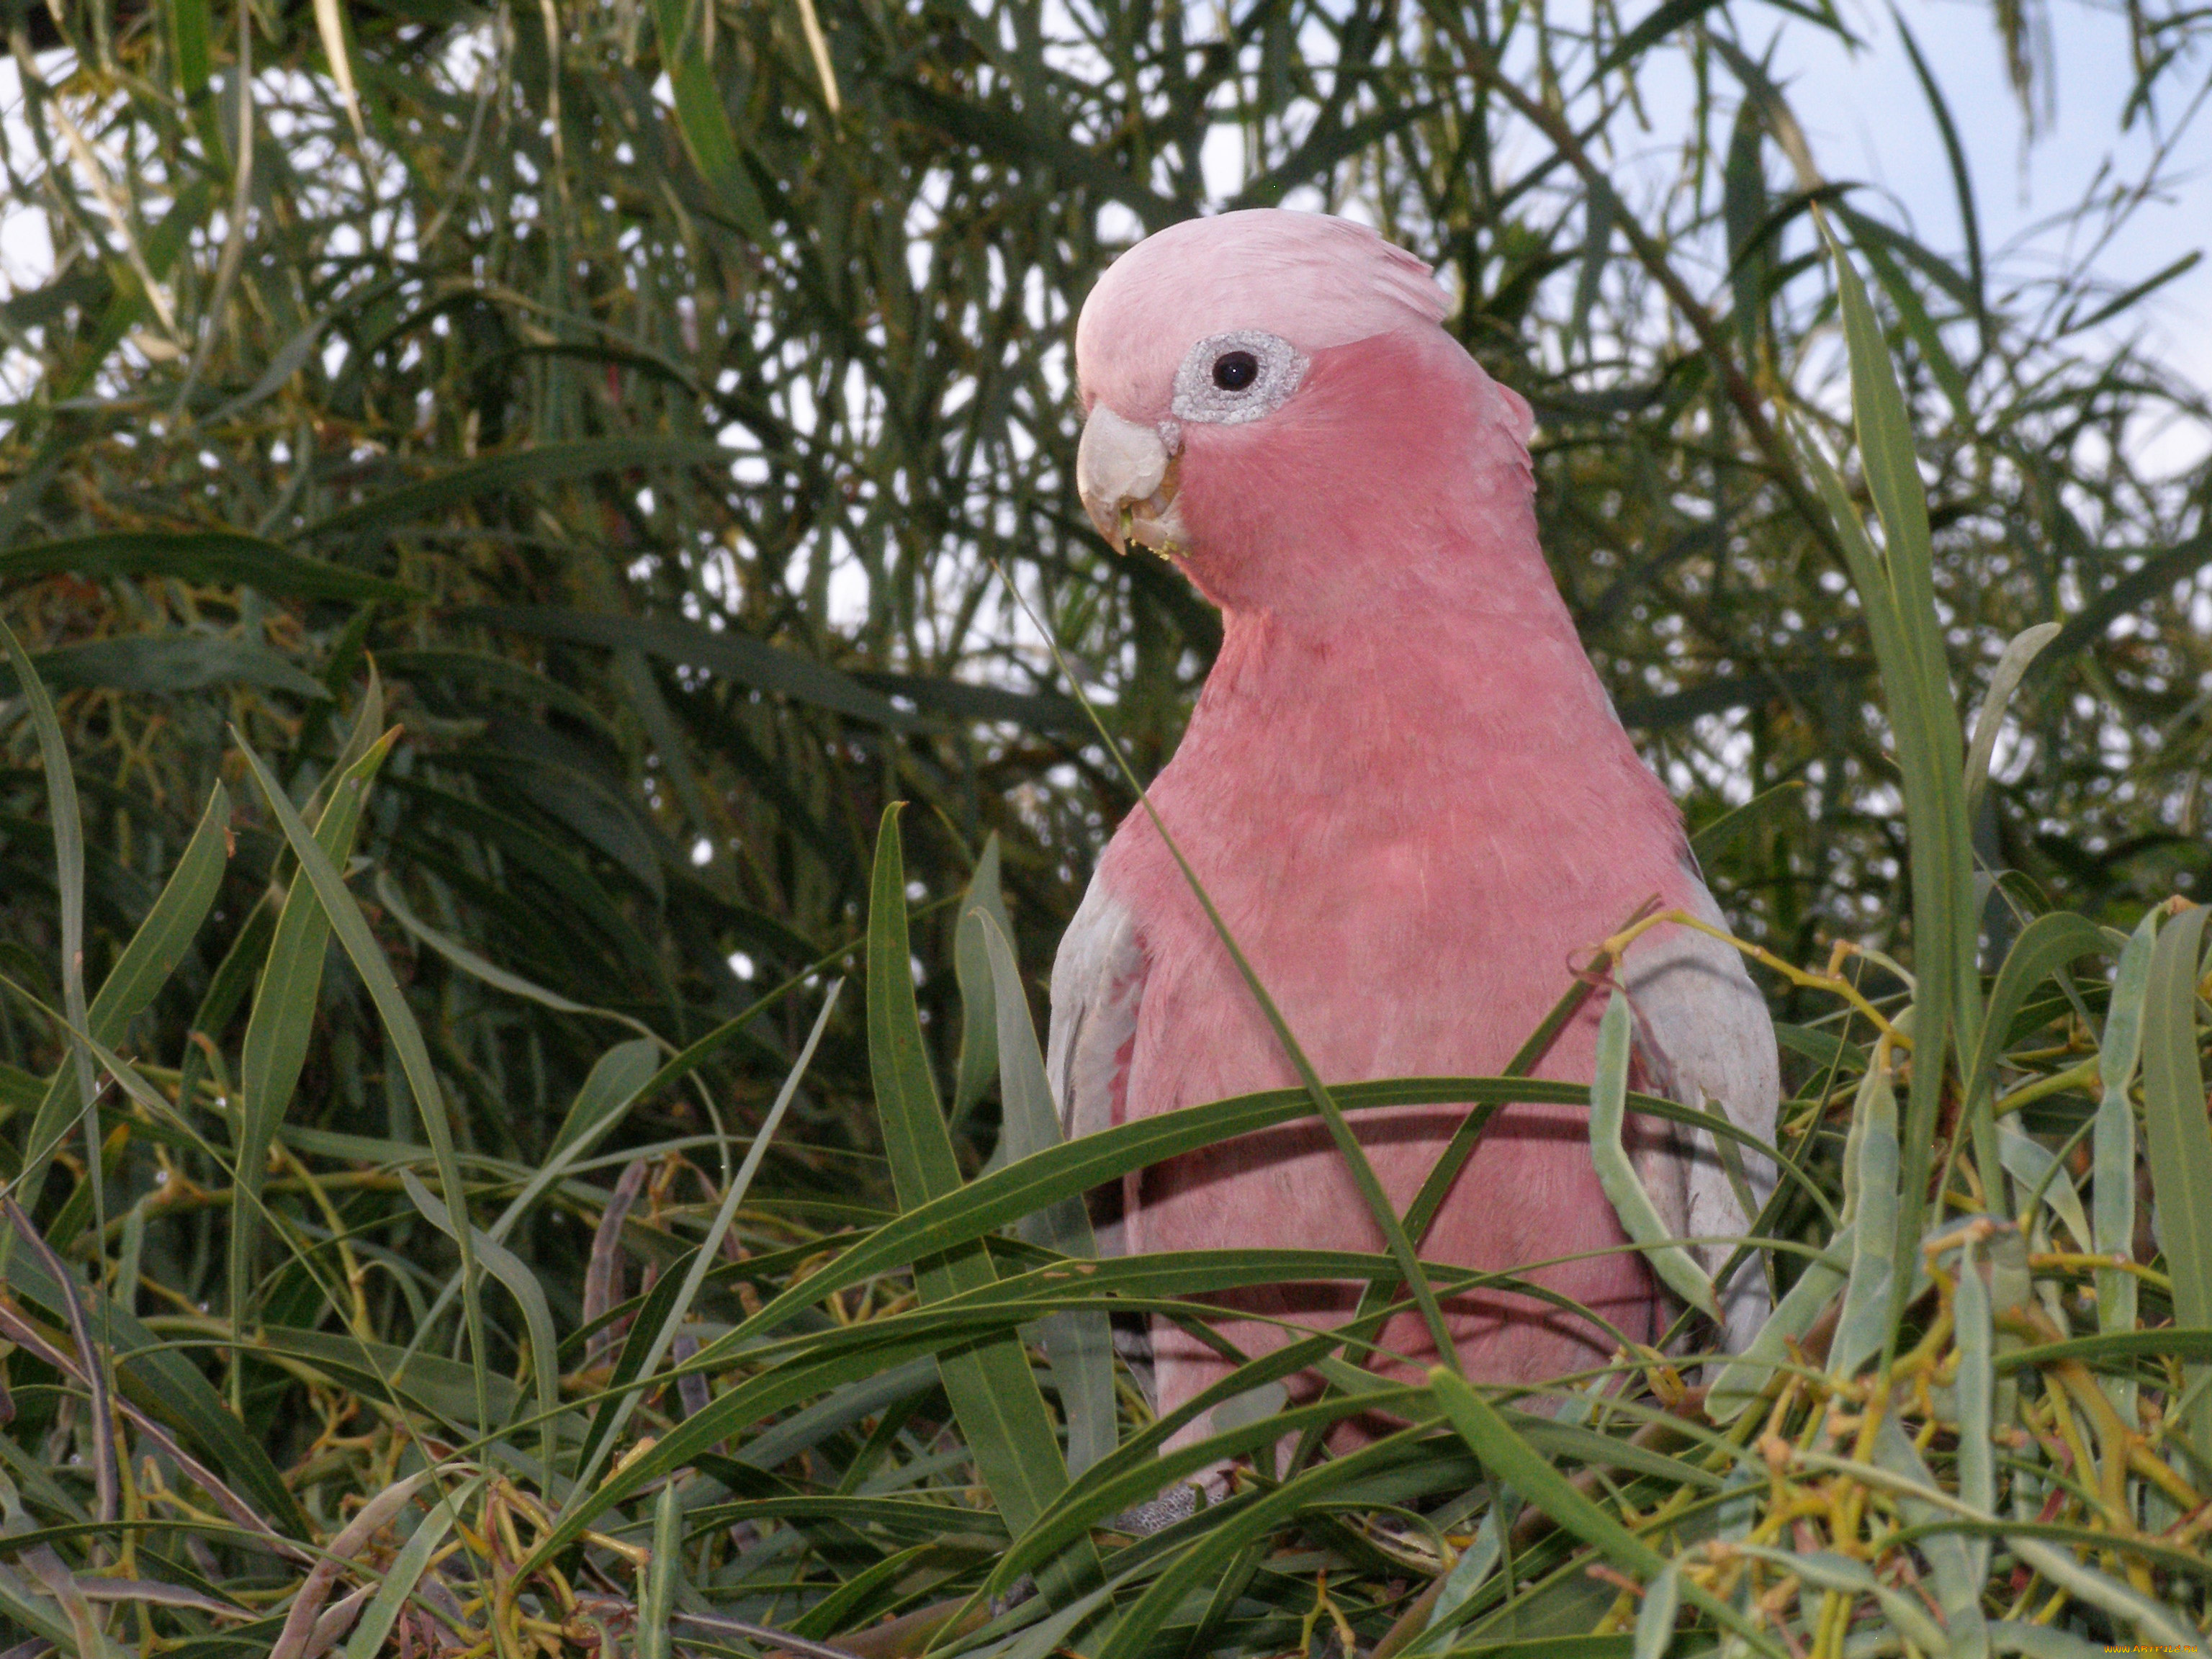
(1209, 1487)
(1017, 1593)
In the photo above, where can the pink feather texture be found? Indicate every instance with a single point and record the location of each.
(1403, 786)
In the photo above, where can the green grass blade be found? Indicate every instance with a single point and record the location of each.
(205, 558)
(1639, 1218)
(1952, 1559)
(663, 1568)
(406, 1572)
(993, 1393)
(529, 1295)
(2152, 1622)
(972, 970)
(68, 874)
(1079, 1344)
(546, 463)
(1654, 1619)
(404, 1035)
(138, 975)
(726, 652)
(229, 988)
(1506, 1457)
(1962, 183)
(2036, 1170)
(1212, 1551)
(2179, 1142)
(1871, 1202)
(168, 665)
(282, 1024)
(705, 122)
(469, 961)
(664, 1336)
(2044, 945)
(617, 1078)
(1916, 681)
(163, 1380)
(1974, 1387)
(1825, 1569)
(1005, 1196)
(2113, 1146)
(2004, 679)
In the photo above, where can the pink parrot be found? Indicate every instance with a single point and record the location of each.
(1407, 792)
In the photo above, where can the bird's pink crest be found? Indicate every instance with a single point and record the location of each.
(1316, 281)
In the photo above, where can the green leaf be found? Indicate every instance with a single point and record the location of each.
(1724, 831)
(529, 1295)
(1639, 1218)
(1078, 1343)
(971, 968)
(168, 664)
(2152, 1622)
(2004, 679)
(138, 975)
(2179, 1141)
(1649, 30)
(726, 652)
(705, 123)
(663, 1570)
(1211, 1552)
(1006, 1195)
(617, 1078)
(1954, 1563)
(1962, 182)
(232, 980)
(1875, 241)
(205, 558)
(1825, 1569)
(1507, 1458)
(1898, 593)
(388, 895)
(406, 1572)
(1654, 1619)
(282, 1022)
(993, 1395)
(2113, 1146)
(68, 829)
(2044, 945)
(405, 1036)
(663, 1335)
(1974, 1388)
(2153, 577)
(1744, 1377)
(495, 675)
(1871, 1203)
(161, 1379)
(553, 463)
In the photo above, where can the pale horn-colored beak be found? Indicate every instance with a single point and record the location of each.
(1125, 473)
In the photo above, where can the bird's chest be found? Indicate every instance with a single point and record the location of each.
(1394, 944)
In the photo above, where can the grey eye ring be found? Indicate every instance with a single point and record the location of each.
(1227, 380)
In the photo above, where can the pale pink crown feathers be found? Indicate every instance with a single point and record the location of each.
(1316, 281)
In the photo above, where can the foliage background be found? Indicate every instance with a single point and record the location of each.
(655, 394)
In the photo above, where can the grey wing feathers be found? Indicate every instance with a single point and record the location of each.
(1703, 1037)
(1097, 982)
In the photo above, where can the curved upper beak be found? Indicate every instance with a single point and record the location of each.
(1125, 473)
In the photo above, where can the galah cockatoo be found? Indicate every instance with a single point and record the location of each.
(1408, 793)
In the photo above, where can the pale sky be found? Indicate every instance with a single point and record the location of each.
(1868, 120)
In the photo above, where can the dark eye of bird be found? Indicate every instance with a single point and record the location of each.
(1235, 370)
